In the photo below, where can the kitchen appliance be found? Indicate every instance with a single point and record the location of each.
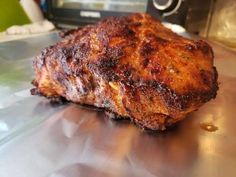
(190, 14)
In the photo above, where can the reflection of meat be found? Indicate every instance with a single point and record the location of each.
(167, 154)
(132, 66)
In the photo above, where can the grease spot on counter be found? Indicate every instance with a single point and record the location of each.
(207, 126)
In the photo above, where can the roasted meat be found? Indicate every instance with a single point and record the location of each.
(131, 66)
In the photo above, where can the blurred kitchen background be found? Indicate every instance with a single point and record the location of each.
(211, 19)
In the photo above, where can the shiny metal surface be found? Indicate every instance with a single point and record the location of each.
(18, 110)
(74, 141)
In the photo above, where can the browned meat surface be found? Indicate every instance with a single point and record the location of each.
(132, 66)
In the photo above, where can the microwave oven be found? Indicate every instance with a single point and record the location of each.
(69, 13)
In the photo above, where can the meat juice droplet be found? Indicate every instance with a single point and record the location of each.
(208, 127)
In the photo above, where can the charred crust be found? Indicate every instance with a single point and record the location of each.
(106, 69)
(35, 91)
(107, 63)
(79, 72)
(116, 26)
(55, 101)
(127, 32)
(63, 55)
(144, 126)
(66, 33)
(172, 99)
(85, 85)
(110, 59)
(145, 62)
(59, 77)
(103, 68)
(34, 82)
(111, 76)
(146, 49)
(39, 61)
(114, 53)
(103, 38)
(160, 40)
(205, 77)
(83, 90)
(128, 72)
(114, 116)
(215, 83)
(205, 48)
(80, 52)
(150, 127)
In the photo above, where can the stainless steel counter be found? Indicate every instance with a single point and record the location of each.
(38, 139)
